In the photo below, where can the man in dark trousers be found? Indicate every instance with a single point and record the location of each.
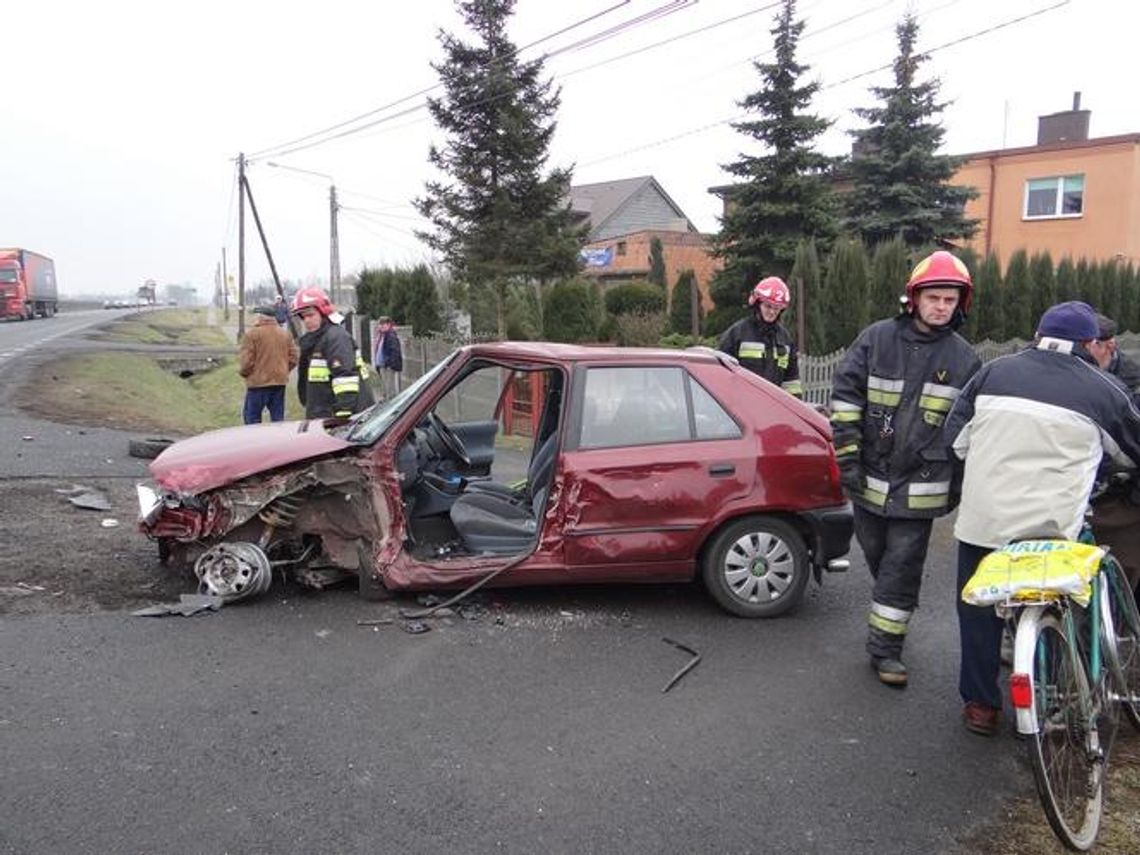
(266, 356)
(388, 357)
(889, 398)
(761, 343)
(1033, 428)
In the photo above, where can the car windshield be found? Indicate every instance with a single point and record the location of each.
(370, 425)
(8, 275)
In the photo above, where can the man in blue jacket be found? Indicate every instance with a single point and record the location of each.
(1033, 428)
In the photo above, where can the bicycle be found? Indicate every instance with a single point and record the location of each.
(1076, 663)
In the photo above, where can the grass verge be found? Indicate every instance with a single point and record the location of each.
(132, 391)
(182, 327)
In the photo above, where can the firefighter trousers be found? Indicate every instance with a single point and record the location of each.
(895, 550)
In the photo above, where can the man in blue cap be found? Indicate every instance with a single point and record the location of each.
(1032, 428)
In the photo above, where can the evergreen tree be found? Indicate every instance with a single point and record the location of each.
(1066, 279)
(1129, 302)
(805, 269)
(1110, 287)
(657, 263)
(969, 330)
(784, 194)
(681, 306)
(848, 274)
(570, 312)
(1088, 282)
(497, 219)
(900, 182)
(1016, 298)
(988, 312)
(374, 291)
(415, 301)
(890, 269)
(1042, 285)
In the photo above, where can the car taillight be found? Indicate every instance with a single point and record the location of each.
(833, 473)
(1020, 691)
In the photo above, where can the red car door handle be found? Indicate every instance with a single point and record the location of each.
(720, 469)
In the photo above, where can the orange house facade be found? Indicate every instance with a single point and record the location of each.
(1076, 199)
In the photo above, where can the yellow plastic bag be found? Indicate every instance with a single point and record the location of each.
(1034, 570)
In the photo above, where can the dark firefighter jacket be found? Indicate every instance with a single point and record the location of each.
(329, 378)
(890, 396)
(765, 349)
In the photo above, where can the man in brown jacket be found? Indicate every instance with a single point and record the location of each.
(268, 353)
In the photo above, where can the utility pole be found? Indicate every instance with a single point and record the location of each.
(334, 247)
(334, 239)
(241, 245)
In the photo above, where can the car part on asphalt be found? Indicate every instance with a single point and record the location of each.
(686, 668)
(416, 627)
(233, 571)
(187, 606)
(90, 500)
(148, 448)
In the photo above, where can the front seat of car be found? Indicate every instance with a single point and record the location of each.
(506, 522)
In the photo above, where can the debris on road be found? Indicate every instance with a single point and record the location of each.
(187, 606)
(87, 498)
(385, 621)
(416, 627)
(686, 668)
(110, 522)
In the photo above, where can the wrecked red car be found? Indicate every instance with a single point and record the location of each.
(521, 464)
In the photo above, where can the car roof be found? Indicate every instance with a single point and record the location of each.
(580, 353)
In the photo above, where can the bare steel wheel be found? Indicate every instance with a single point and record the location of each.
(756, 567)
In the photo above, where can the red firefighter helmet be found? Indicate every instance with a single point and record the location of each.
(312, 298)
(941, 270)
(771, 290)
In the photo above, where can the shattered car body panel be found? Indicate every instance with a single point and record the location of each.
(628, 467)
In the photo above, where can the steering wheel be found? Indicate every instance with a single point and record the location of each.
(449, 438)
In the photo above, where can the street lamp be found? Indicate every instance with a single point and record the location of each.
(334, 241)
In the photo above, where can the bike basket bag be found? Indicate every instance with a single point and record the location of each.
(1034, 570)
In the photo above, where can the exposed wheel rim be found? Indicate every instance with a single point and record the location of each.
(759, 567)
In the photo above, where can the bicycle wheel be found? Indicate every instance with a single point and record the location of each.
(1065, 750)
(1121, 622)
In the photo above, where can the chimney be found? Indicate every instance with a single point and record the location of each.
(1069, 126)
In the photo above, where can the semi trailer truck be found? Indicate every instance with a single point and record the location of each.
(27, 285)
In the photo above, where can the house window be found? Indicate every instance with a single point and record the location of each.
(621, 247)
(1061, 196)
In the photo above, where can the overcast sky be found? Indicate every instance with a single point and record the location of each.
(122, 119)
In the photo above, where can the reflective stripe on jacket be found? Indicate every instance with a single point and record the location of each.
(328, 375)
(766, 350)
(890, 397)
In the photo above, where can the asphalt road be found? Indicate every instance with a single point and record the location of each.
(281, 725)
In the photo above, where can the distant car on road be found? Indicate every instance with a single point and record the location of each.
(531, 464)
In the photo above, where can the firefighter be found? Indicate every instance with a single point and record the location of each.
(890, 396)
(328, 376)
(761, 343)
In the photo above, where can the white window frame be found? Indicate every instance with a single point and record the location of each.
(1058, 199)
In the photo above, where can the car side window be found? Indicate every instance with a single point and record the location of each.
(711, 419)
(634, 406)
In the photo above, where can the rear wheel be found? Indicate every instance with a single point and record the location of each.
(756, 567)
(1065, 751)
(1122, 636)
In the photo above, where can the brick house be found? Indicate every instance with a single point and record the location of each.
(623, 217)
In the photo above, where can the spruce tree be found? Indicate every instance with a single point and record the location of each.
(784, 192)
(497, 217)
(900, 182)
(1016, 298)
(890, 269)
(969, 330)
(1110, 290)
(988, 312)
(1066, 278)
(1042, 285)
(848, 274)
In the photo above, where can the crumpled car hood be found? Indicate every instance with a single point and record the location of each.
(223, 456)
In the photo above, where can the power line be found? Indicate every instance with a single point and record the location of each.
(832, 85)
(383, 108)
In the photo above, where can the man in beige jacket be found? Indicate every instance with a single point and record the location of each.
(268, 353)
